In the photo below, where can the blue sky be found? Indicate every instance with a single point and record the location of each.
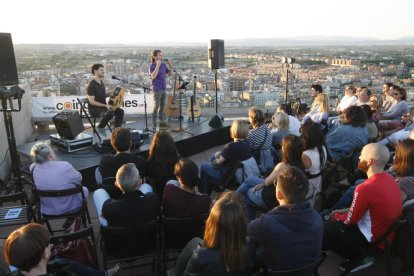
(129, 21)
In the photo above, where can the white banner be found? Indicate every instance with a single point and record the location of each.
(47, 107)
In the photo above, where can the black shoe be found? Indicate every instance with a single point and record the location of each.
(354, 265)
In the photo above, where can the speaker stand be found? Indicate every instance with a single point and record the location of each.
(6, 96)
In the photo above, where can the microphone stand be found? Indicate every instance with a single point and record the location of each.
(182, 87)
(146, 129)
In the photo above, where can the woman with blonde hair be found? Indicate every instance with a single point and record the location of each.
(223, 161)
(323, 110)
(280, 122)
(224, 250)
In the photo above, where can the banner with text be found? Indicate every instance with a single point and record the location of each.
(47, 107)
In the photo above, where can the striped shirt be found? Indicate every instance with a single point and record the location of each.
(407, 186)
(257, 136)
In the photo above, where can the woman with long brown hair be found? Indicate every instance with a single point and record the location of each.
(162, 157)
(404, 168)
(261, 192)
(224, 250)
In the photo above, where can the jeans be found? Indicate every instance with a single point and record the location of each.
(346, 200)
(186, 254)
(96, 112)
(74, 267)
(98, 176)
(159, 105)
(396, 137)
(252, 197)
(100, 196)
(346, 241)
(207, 172)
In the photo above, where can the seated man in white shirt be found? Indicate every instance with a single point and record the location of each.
(348, 100)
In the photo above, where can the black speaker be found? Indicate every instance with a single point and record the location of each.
(216, 54)
(216, 121)
(8, 70)
(68, 124)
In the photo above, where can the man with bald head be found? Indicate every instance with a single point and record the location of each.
(375, 207)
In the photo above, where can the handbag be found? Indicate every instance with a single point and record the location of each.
(79, 250)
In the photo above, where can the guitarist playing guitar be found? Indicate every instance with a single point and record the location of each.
(97, 100)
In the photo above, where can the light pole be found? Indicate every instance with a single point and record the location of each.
(287, 63)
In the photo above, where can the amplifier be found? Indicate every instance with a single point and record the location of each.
(81, 141)
(68, 124)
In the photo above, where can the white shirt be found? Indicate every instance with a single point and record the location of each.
(294, 125)
(346, 102)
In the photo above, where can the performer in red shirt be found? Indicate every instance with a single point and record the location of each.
(375, 207)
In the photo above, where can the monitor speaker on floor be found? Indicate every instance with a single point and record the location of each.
(216, 121)
(68, 124)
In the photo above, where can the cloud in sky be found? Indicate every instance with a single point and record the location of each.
(126, 21)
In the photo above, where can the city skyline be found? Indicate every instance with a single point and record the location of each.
(126, 22)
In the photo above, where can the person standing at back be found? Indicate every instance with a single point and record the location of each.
(159, 72)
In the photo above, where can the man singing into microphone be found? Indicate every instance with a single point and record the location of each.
(158, 72)
(97, 101)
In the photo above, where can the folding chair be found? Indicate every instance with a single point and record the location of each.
(373, 249)
(177, 232)
(15, 214)
(92, 120)
(82, 212)
(310, 268)
(130, 244)
(87, 232)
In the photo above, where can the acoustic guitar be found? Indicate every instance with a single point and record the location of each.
(117, 98)
(172, 109)
(193, 109)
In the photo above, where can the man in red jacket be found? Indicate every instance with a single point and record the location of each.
(375, 207)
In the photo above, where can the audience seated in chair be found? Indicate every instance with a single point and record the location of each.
(370, 125)
(363, 94)
(49, 174)
(181, 199)
(294, 123)
(259, 136)
(352, 134)
(121, 143)
(376, 107)
(387, 96)
(162, 157)
(222, 162)
(28, 250)
(138, 204)
(225, 249)
(402, 170)
(280, 128)
(314, 158)
(322, 113)
(399, 108)
(349, 99)
(289, 236)
(376, 206)
(261, 192)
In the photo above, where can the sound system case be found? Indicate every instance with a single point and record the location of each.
(81, 141)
